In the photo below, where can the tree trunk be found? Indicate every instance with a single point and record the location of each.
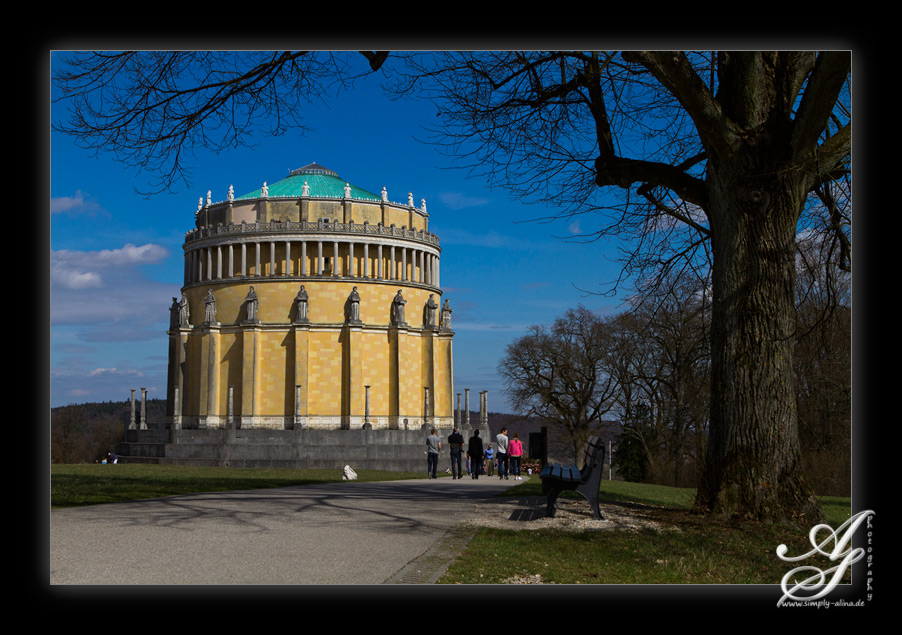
(754, 466)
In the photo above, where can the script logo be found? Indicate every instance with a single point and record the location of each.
(817, 584)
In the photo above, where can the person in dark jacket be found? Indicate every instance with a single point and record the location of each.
(474, 451)
(456, 444)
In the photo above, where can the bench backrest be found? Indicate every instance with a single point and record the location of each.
(594, 457)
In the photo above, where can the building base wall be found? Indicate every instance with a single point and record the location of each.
(391, 450)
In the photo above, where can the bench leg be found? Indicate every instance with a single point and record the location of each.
(593, 502)
(596, 510)
(552, 498)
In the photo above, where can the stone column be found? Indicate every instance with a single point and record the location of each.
(304, 258)
(288, 268)
(176, 408)
(467, 405)
(297, 407)
(335, 258)
(144, 408)
(131, 425)
(367, 425)
(230, 408)
(257, 271)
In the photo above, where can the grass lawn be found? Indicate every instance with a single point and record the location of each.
(90, 484)
(694, 549)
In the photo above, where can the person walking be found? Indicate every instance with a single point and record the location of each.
(433, 447)
(456, 447)
(501, 440)
(474, 451)
(515, 456)
(489, 458)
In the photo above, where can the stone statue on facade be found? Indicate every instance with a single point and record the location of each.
(231, 193)
(210, 307)
(431, 306)
(252, 304)
(384, 194)
(446, 316)
(347, 190)
(410, 199)
(353, 313)
(301, 301)
(209, 198)
(423, 205)
(397, 310)
(174, 314)
(305, 191)
(264, 191)
(183, 312)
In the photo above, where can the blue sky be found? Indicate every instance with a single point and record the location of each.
(116, 259)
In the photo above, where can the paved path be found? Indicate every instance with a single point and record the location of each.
(347, 533)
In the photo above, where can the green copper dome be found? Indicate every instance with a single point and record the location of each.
(322, 182)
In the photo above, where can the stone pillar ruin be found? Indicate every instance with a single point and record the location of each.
(144, 408)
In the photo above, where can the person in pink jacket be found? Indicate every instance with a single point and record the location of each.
(515, 455)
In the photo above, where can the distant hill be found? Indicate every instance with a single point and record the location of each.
(121, 410)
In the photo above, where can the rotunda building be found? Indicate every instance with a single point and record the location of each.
(310, 303)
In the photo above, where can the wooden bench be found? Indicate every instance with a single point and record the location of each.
(557, 477)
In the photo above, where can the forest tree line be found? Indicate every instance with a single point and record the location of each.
(647, 370)
(85, 433)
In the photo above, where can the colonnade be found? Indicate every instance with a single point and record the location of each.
(290, 257)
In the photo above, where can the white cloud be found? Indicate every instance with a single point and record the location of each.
(78, 270)
(127, 256)
(490, 238)
(114, 371)
(457, 200)
(75, 280)
(80, 203)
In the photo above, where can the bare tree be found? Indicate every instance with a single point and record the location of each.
(674, 323)
(69, 438)
(822, 362)
(153, 108)
(557, 374)
(728, 148)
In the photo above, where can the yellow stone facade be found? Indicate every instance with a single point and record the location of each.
(345, 357)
